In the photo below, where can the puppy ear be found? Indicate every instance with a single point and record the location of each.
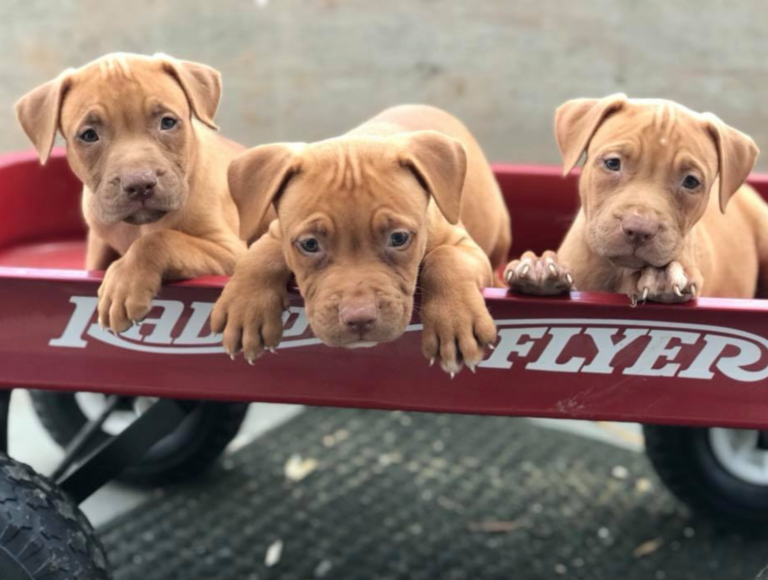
(576, 122)
(736, 156)
(257, 177)
(38, 113)
(201, 84)
(439, 164)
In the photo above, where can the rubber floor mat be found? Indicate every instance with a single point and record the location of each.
(348, 494)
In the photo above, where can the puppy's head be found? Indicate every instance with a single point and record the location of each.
(649, 170)
(127, 121)
(354, 221)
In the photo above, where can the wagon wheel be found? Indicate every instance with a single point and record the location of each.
(189, 450)
(35, 513)
(720, 473)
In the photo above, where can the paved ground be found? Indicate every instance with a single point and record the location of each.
(346, 494)
(31, 444)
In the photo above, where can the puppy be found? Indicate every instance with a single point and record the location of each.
(653, 221)
(407, 195)
(140, 136)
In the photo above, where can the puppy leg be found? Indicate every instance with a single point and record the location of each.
(672, 283)
(249, 312)
(541, 276)
(457, 324)
(130, 283)
(99, 255)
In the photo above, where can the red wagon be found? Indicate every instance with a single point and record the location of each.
(695, 374)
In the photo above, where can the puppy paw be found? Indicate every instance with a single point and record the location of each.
(541, 276)
(250, 320)
(125, 294)
(457, 330)
(672, 283)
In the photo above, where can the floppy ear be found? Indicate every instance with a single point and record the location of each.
(38, 113)
(576, 122)
(736, 156)
(201, 84)
(257, 177)
(439, 164)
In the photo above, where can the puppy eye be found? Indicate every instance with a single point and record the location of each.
(168, 123)
(690, 182)
(309, 245)
(89, 136)
(612, 164)
(399, 239)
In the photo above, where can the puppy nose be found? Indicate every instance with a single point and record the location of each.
(359, 316)
(639, 229)
(139, 185)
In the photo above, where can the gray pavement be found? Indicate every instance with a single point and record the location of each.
(29, 442)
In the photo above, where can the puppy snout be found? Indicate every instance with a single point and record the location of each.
(359, 316)
(139, 185)
(639, 229)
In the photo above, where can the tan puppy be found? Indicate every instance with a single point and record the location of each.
(360, 217)
(140, 136)
(653, 222)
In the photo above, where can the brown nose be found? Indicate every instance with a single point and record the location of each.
(359, 315)
(139, 185)
(639, 229)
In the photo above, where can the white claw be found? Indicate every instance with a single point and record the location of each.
(553, 269)
(693, 289)
(231, 356)
(452, 375)
(677, 290)
(645, 293)
(250, 361)
(491, 347)
(471, 368)
(272, 350)
(508, 276)
(570, 279)
(525, 269)
(432, 361)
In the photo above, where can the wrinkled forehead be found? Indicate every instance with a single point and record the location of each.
(659, 128)
(120, 85)
(355, 186)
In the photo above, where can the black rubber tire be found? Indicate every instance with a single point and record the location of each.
(187, 452)
(684, 461)
(43, 534)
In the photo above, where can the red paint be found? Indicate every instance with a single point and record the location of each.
(40, 207)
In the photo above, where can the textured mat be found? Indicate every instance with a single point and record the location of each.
(349, 495)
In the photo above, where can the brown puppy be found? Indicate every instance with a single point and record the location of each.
(140, 136)
(653, 222)
(358, 217)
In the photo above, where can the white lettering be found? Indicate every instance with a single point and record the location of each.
(201, 311)
(658, 350)
(607, 349)
(732, 366)
(300, 323)
(72, 337)
(163, 324)
(548, 359)
(510, 343)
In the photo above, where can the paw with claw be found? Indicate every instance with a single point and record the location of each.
(126, 293)
(250, 319)
(541, 276)
(457, 329)
(670, 284)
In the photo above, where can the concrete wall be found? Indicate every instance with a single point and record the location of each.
(304, 70)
